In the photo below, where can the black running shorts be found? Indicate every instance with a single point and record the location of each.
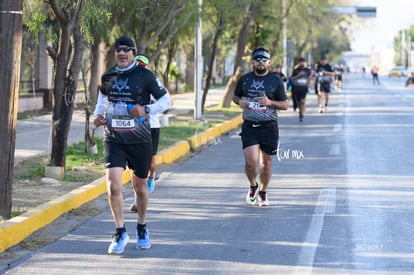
(325, 87)
(264, 134)
(136, 156)
(300, 92)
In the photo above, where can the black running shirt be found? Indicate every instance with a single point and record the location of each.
(249, 88)
(322, 68)
(302, 81)
(126, 89)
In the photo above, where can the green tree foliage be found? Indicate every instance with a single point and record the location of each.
(153, 25)
(311, 28)
(39, 22)
(217, 20)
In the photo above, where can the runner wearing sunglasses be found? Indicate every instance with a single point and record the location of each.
(260, 94)
(123, 107)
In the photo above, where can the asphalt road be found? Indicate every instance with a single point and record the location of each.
(341, 201)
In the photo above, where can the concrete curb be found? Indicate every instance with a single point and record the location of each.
(15, 230)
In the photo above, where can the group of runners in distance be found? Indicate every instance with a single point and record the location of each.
(301, 78)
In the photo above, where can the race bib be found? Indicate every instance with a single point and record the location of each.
(301, 82)
(256, 106)
(122, 123)
(325, 78)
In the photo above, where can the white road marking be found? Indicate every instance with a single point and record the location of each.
(326, 204)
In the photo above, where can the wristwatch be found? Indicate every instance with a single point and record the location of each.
(147, 109)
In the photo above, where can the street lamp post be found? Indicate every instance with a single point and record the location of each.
(198, 61)
(284, 38)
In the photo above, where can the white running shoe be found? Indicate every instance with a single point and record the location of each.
(251, 197)
(262, 199)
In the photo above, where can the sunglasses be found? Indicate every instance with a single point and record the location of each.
(258, 59)
(124, 49)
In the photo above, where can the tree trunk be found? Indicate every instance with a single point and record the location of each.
(63, 95)
(231, 86)
(92, 94)
(166, 73)
(211, 64)
(65, 80)
(95, 73)
(10, 56)
(241, 45)
(276, 43)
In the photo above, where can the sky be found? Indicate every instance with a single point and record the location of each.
(377, 34)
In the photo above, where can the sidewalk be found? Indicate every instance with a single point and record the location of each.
(33, 135)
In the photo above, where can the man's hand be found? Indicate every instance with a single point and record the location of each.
(263, 100)
(99, 120)
(243, 104)
(137, 111)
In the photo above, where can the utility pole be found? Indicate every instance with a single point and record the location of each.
(11, 18)
(285, 68)
(403, 48)
(198, 62)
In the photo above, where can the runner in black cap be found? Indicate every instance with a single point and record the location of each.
(260, 94)
(124, 107)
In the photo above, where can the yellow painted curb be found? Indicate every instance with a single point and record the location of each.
(209, 136)
(169, 155)
(17, 229)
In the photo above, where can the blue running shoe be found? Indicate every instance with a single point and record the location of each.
(119, 241)
(151, 184)
(143, 240)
